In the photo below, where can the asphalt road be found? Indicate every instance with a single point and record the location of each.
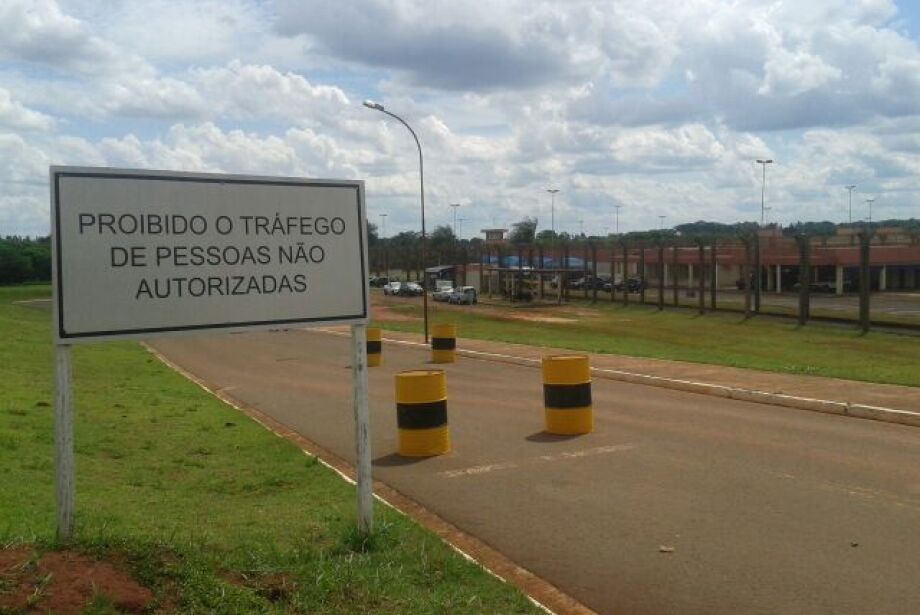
(767, 510)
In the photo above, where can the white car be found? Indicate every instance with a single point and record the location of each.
(442, 294)
(391, 288)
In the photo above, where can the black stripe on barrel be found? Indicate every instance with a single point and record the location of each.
(443, 343)
(563, 396)
(421, 416)
(374, 347)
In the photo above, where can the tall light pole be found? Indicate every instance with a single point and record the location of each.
(383, 237)
(763, 185)
(581, 224)
(661, 222)
(850, 189)
(454, 206)
(618, 207)
(460, 222)
(870, 201)
(553, 192)
(421, 175)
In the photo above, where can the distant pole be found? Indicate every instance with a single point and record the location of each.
(383, 238)
(850, 189)
(618, 207)
(455, 206)
(661, 222)
(552, 211)
(582, 226)
(870, 201)
(763, 186)
(552, 226)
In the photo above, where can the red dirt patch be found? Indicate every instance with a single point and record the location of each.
(64, 582)
(385, 313)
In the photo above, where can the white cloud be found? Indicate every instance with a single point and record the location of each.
(792, 73)
(250, 92)
(658, 105)
(15, 116)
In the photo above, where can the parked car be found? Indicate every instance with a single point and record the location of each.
(589, 282)
(379, 281)
(632, 285)
(392, 288)
(576, 284)
(465, 295)
(442, 294)
(411, 289)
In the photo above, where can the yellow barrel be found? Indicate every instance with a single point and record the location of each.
(374, 347)
(421, 413)
(443, 343)
(567, 394)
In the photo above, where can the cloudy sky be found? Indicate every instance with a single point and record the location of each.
(660, 106)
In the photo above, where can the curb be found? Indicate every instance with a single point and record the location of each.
(540, 592)
(841, 408)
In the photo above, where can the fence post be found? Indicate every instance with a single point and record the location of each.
(865, 278)
(593, 272)
(758, 275)
(746, 275)
(642, 274)
(540, 268)
(563, 279)
(625, 274)
(713, 274)
(661, 277)
(613, 269)
(804, 278)
(674, 265)
(702, 274)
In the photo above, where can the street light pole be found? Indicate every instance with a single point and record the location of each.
(553, 192)
(454, 206)
(661, 222)
(618, 218)
(383, 238)
(763, 186)
(421, 175)
(870, 201)
(850, 189)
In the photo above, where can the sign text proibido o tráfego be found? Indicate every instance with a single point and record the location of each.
(139, 253)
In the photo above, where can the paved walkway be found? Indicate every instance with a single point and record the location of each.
(815, 387)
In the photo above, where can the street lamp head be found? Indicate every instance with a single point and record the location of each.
(552, 190)
(370, 104)
(766, 161)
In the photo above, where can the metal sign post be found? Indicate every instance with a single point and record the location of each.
(139, 254)
(365, 487)
(63, 443)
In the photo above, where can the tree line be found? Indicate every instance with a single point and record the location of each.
(25, 259)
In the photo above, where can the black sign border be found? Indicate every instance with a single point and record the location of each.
(228, 179)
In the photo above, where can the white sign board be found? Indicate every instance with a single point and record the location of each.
(141, 253)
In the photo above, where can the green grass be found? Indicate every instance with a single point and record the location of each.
(205, 506)
(716, 338)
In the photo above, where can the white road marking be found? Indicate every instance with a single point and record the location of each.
(507, 465)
